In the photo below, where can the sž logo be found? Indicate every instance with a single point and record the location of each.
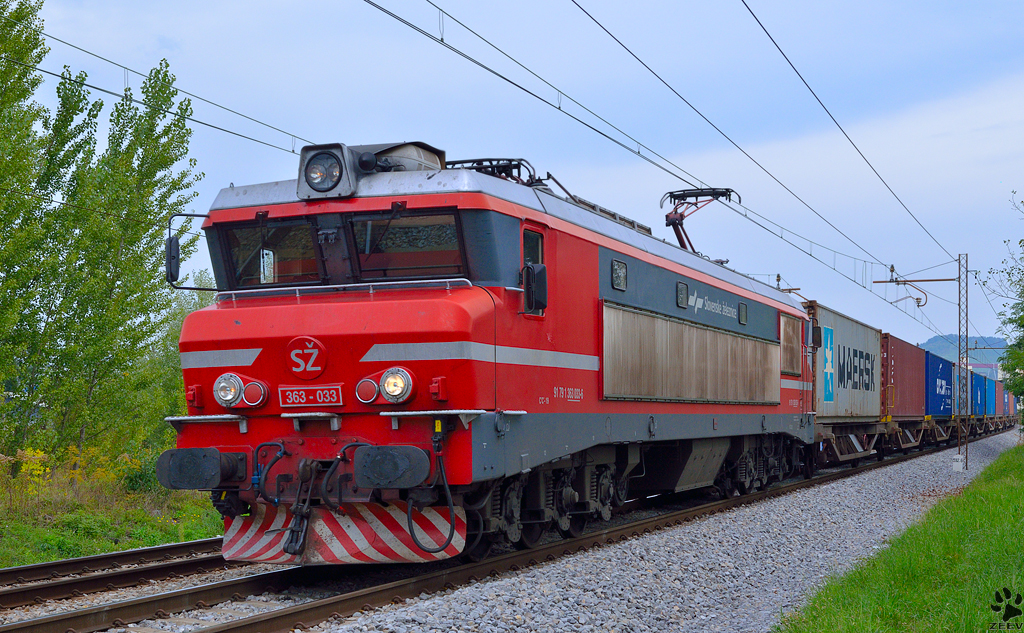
(307, 357)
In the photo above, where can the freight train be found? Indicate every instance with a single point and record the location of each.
(411, 359)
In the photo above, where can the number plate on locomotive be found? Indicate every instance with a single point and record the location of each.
(310, 396)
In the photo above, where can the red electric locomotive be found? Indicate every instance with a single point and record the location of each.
(410, 359)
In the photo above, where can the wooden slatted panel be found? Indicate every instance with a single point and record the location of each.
(648, 357)
(791, 345)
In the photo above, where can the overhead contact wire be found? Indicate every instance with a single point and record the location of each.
(115, 216)
(865, 158)
(726, 136)
(131, 70)
(146, 105)
(564, 94)
(523, 88)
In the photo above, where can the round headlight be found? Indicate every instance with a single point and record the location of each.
(323, 171)
(228, 390)
(396, 385)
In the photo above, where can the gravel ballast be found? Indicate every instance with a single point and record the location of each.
(738, 570)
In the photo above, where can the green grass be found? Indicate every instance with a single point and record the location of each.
(51, 510)
(939, 575)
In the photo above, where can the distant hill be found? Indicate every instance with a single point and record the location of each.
(979, 357)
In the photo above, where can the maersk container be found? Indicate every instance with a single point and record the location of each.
(978, 390)
(938, 386)
(847, 371)
(1001, 408)
(903, 379)
(990, 396)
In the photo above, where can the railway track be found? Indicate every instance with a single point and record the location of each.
(89, 564)
(31, 584)
(282, 617)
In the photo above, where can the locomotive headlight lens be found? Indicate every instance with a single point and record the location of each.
(228, 390)
(323, 171)
(396, 385)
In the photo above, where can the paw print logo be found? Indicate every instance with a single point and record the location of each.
(1010, 609)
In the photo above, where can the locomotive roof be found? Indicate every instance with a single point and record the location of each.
(387, 184)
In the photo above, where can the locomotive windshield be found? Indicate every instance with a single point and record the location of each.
(316, 251)
(274, 254)
(417, 246)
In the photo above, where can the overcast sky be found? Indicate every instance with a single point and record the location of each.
(932, 93)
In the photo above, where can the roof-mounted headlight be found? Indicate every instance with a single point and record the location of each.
(323, 171)
(327, 171)
(227, 390)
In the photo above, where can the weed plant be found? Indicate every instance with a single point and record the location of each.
(86, 503)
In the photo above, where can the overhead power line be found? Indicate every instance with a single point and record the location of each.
(723, 134)
(140, 74)
(559, 91)
(952, 261)
(126, 217)
(746, 213)
(536, 96)
(146, 105)
(865, 158)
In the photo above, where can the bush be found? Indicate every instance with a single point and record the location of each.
(87, 503)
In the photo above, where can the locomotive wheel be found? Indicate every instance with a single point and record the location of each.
(479, 552)
(531, 535)
(620, 491)
(511, 505)
(577, 523)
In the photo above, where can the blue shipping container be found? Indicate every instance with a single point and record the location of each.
(978, 390)
(990, 396)
(938, 400)
(1006, 402)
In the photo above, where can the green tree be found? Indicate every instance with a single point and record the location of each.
(158, 390)
(21, 215)
(83, 301)
(1008, 283)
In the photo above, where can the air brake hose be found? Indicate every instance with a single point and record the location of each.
(262, 485)
(324, 494)
(451, 514)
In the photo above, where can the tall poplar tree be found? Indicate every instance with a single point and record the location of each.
(87, 222)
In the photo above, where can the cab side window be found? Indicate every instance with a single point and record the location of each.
(533, 253)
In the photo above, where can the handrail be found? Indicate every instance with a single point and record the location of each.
(300, 290)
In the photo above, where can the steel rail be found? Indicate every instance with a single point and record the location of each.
(110, 580)
(103, 617)
(88, 564)
(310, 613)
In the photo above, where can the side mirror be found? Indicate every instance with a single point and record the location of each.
(172, 258)
(535, 287)
(816, 336)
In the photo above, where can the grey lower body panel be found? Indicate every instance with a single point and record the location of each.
(509, 445)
